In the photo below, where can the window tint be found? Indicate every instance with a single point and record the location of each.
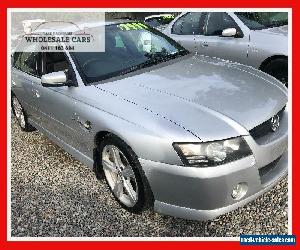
(216, 22)
(188, 24)
(54, 62)
(27, 62)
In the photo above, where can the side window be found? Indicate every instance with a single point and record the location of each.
(54, 62)
(216, 22)
(28, 62)
(189, 24)
(177, 26)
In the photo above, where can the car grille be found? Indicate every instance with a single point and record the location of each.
(264, 128)
(266, 169)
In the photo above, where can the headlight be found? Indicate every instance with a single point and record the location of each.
(209, 154)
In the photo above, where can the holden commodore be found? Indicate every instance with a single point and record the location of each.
(192, 136)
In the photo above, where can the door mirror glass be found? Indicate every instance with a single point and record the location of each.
(229, 32)
(54, 79)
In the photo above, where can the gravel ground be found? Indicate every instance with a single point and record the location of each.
(55, 195)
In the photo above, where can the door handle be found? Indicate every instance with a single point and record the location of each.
(204, 44)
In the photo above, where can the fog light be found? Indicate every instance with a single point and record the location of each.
(239, 191)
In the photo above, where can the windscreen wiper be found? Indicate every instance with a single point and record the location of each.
(154, 58)
(145, 64)
(163, 56)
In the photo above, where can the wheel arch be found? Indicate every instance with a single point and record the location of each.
(96, 164)
(270, 59)
(100, 136)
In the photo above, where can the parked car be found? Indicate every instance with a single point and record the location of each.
(258, 39)
(189, 135)
(159, 21)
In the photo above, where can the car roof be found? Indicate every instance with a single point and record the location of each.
(159, 15)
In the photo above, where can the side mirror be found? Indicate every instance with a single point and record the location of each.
(54, 79)
(229, 32)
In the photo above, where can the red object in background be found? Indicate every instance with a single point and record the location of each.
(4, 4)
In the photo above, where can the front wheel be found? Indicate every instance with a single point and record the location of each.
(279, 69)
(124, 175)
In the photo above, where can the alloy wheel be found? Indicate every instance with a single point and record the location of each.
(120, 175)
(19, 113)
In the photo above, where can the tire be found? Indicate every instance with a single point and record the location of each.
(279, 69)
(135, 194)
(20, 115)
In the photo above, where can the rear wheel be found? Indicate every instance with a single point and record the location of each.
(20, 115)
(279, 69)
(124, 175)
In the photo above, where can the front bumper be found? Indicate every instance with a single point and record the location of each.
(205, 193)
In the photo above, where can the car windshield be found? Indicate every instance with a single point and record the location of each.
(128, 47)
(263, 20)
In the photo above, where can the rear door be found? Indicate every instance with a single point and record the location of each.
(25, 75)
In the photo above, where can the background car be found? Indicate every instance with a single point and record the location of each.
(258, 39)
(159, 21)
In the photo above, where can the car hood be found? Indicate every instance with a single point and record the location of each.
(203, 95)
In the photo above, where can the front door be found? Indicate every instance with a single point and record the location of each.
(57, 106)
(213, 44)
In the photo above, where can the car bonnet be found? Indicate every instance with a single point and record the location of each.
(208, 97)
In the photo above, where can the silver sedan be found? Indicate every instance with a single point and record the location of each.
(258, 39)
(191, 136)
